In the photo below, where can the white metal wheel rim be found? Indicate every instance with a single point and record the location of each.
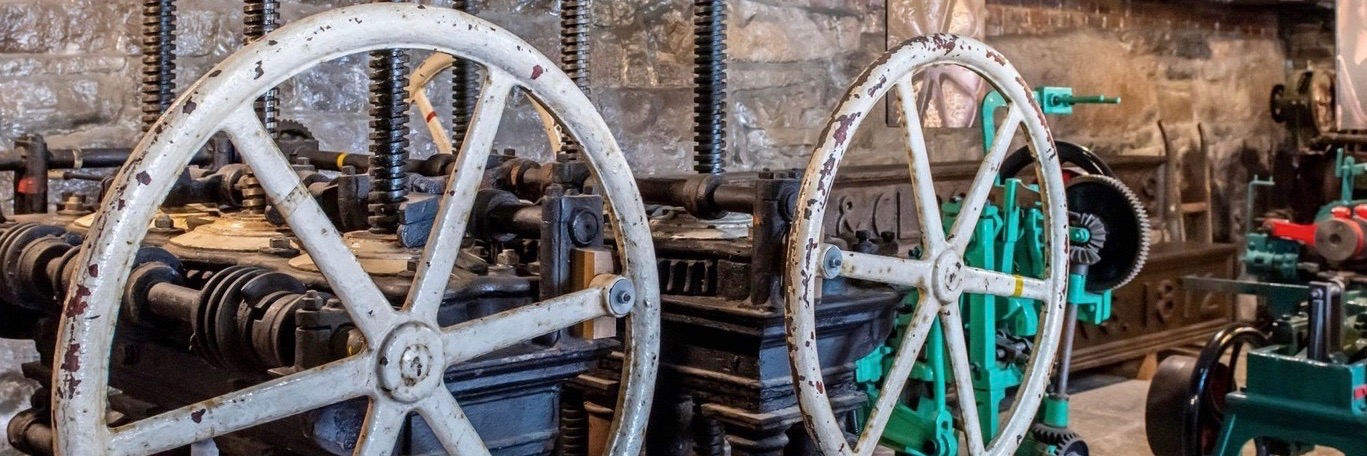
(933, 274)
(222, 101)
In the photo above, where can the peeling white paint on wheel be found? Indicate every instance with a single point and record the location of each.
(222, 102)
(941, 275)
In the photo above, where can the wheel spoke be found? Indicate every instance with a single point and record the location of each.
(369, 309)
(963, 376)
(452, 427)
(269, 401)
(896, 379)
(982, 184)
(383, 423)
(918, 159)
(484, 335)
(443, 245)
(982, 281)
(884, 269)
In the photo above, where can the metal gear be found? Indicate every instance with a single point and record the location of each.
(1087, 252)
(1050, 435)
(1126, 224)
(1072, 447)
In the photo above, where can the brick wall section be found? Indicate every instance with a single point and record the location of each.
(69, 70)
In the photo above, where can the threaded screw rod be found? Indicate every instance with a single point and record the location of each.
(158, 59)
(575, 19)
(259, 18)
(709, 85)
(388, 138)
(464, 89)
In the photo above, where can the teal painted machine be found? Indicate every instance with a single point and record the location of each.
(1306, 355)
(1000, 330)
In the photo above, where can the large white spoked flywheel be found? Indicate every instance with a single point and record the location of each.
(222, 101)
(940, 274)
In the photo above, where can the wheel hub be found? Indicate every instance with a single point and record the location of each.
(409, 365)
(947, 277)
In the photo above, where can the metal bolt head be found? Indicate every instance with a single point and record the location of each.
(281, 242)
(621, 297)
(163, 221)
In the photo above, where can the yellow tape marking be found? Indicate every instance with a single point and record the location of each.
(340, 158)
(1020, 286)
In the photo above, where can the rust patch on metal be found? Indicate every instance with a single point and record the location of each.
(71, 362)
(882, 81)
(536, 71)
(259, 72)
(94, 270)
(996, 57)
(78, 304)
(215, 73)
(190, 106)
(144, 178)
(198, 415)
(843, 129)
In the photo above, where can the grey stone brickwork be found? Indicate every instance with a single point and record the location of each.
(69, 68)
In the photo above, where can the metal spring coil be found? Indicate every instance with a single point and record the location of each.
(709, 80)
(388, 138)
(575, 20)
(464, 90)
(158, 59)
(259, 18)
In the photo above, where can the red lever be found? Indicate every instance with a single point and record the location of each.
(1304, 234)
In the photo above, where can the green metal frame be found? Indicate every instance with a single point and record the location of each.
(1008, 239)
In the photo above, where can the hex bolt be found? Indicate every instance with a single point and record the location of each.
(163, 222)
(281, 243)
(312, 300)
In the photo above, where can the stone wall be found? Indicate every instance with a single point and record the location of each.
(69, 69)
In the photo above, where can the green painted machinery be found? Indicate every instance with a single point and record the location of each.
(1109, 244)
(1305, 356)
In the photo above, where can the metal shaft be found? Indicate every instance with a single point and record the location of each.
(709, 85)
(158, 59)
(388, 138)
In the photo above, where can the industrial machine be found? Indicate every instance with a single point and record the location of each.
(237, 289)
(369, 315)
(941, 271)
(1304, 358)
(1109, 242)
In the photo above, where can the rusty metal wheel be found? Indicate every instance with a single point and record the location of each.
(940, 275)
(222, 101)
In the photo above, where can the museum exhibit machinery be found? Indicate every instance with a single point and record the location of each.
(1293, 378)
(235, 289)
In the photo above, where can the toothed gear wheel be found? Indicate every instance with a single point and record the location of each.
(287, 129)
(1073, 447)
(1126, 224)
(1050, 435)
(1089, 251)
